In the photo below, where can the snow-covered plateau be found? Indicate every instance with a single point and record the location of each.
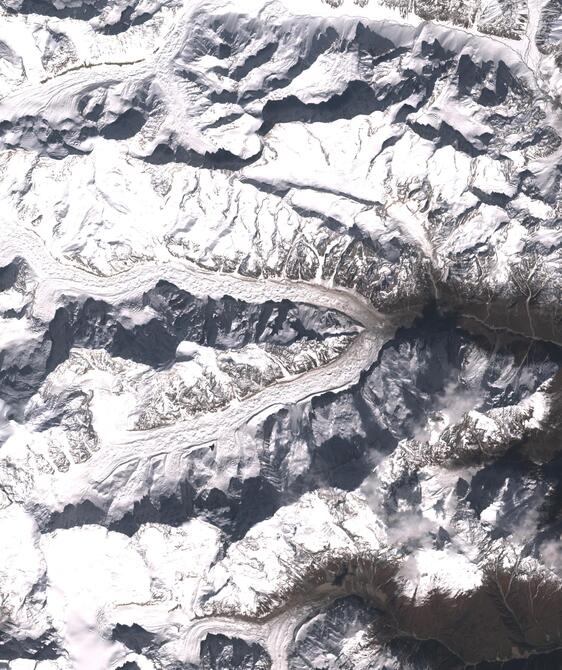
(280, 334)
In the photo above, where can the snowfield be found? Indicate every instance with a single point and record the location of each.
(280, 334)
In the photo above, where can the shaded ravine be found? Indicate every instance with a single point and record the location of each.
(57, 279)
(171, 445)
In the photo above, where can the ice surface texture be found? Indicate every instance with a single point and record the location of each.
(280, 334)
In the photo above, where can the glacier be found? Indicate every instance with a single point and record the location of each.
(280, 334)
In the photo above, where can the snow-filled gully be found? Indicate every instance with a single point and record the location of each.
(56, 279)
(169, 446)
(172, 444)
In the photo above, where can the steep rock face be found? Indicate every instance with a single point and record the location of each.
(332, 638)
(201, 358)
(24, 622)
(218, 651)
(437, 103)
(337, 439)
(280, 335)
(146, 330)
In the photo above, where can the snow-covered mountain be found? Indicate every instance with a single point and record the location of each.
(280, 334)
